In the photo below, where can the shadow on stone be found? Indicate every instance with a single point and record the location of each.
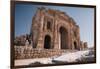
(59, 62)
(36, 63)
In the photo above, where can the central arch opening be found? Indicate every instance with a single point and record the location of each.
(63, 38)
(47, 42)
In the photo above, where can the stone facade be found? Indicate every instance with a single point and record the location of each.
(52, 33)
(54, 29)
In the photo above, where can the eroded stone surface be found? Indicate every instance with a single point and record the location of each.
(52, 33)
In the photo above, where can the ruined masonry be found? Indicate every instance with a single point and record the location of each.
(54, 29)
(53, 32)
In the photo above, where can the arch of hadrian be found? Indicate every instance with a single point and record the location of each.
(54, 29)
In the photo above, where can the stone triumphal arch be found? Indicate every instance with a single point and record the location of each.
(54, 29)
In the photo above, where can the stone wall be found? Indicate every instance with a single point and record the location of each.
(62, 30)
(28, 52)
(84, 45)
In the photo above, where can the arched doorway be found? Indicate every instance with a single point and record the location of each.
(75, 45)
(47, 42)
(63, 38)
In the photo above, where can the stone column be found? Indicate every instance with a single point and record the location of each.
(56, 42)
(59, 37)
(78, 38)
(68, 38)
(40, 43)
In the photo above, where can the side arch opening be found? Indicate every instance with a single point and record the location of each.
(47, 42)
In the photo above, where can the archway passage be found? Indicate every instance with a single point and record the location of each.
(75, 45)
(63, 38)
(47, 42)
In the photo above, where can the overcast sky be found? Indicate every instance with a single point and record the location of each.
(84, 17)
